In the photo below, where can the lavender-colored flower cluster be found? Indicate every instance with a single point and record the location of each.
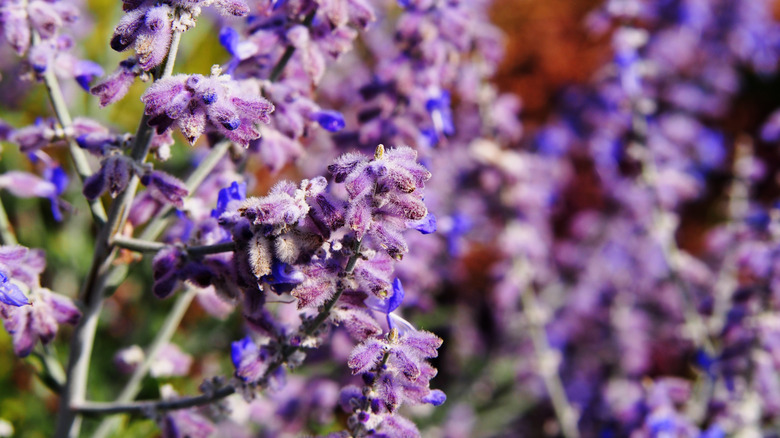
(607, 269)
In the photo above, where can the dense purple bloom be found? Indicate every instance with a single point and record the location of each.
(113, 176)
(170, 361)
(235, 192)
(198, 103)
(148, 29)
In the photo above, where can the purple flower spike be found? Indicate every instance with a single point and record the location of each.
(165, 271)
(170, 361)
(39, 320)
(441, 113)
(95, 184)
(236, 8)
(114, 175)
(57, 176)
(365, 356)
(235, 192)
(165, 188)
(44, 18)
(153, 41)
(10, 294)
(197, 103)
(27, 185)
(330, 120)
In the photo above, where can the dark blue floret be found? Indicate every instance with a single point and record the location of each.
(228, 38)
(209, 98)
(234, 192)
(232, 125)
(10, 294)
(427, 225)
(330, 120)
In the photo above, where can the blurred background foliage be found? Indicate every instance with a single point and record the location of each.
(547, 49)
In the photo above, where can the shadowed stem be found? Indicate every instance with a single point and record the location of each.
(152, 231)
(289, 51)
(92, 293)
(547, 358)
(164, 336)
(7, 235)
(78, 155)
(220, 393)
(152, 246)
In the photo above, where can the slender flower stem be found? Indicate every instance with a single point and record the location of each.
(7, 235)
(160, 221)
(92, 294)
(141, 245)
(155, 405)
(189, 402)
(172, 321)
(78, 156)
(289, 51)
(547, 357)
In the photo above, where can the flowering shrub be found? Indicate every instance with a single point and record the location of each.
(356, 208)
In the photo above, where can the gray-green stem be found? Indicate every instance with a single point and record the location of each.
(6, 233)
(92, 294)
(172, 321)
(78, 156)
(547, 357)
(141, 245)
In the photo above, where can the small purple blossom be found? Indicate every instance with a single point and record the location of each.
(165, 188)
(198, 103)
(248, 359)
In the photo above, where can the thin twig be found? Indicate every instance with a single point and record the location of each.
(546, 356)
(141, 245)
(7, 234)
(78, 156)
(172, 321)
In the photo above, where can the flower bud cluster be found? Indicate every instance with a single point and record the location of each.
(148, 26)
(395, 372)
(197, 104)
(33, 28)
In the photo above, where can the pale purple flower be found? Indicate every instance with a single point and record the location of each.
(170, 361)
(148, 29)
(196, 103)
(165, 188)
(117, 84)
(249, 360)
(38, 321)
